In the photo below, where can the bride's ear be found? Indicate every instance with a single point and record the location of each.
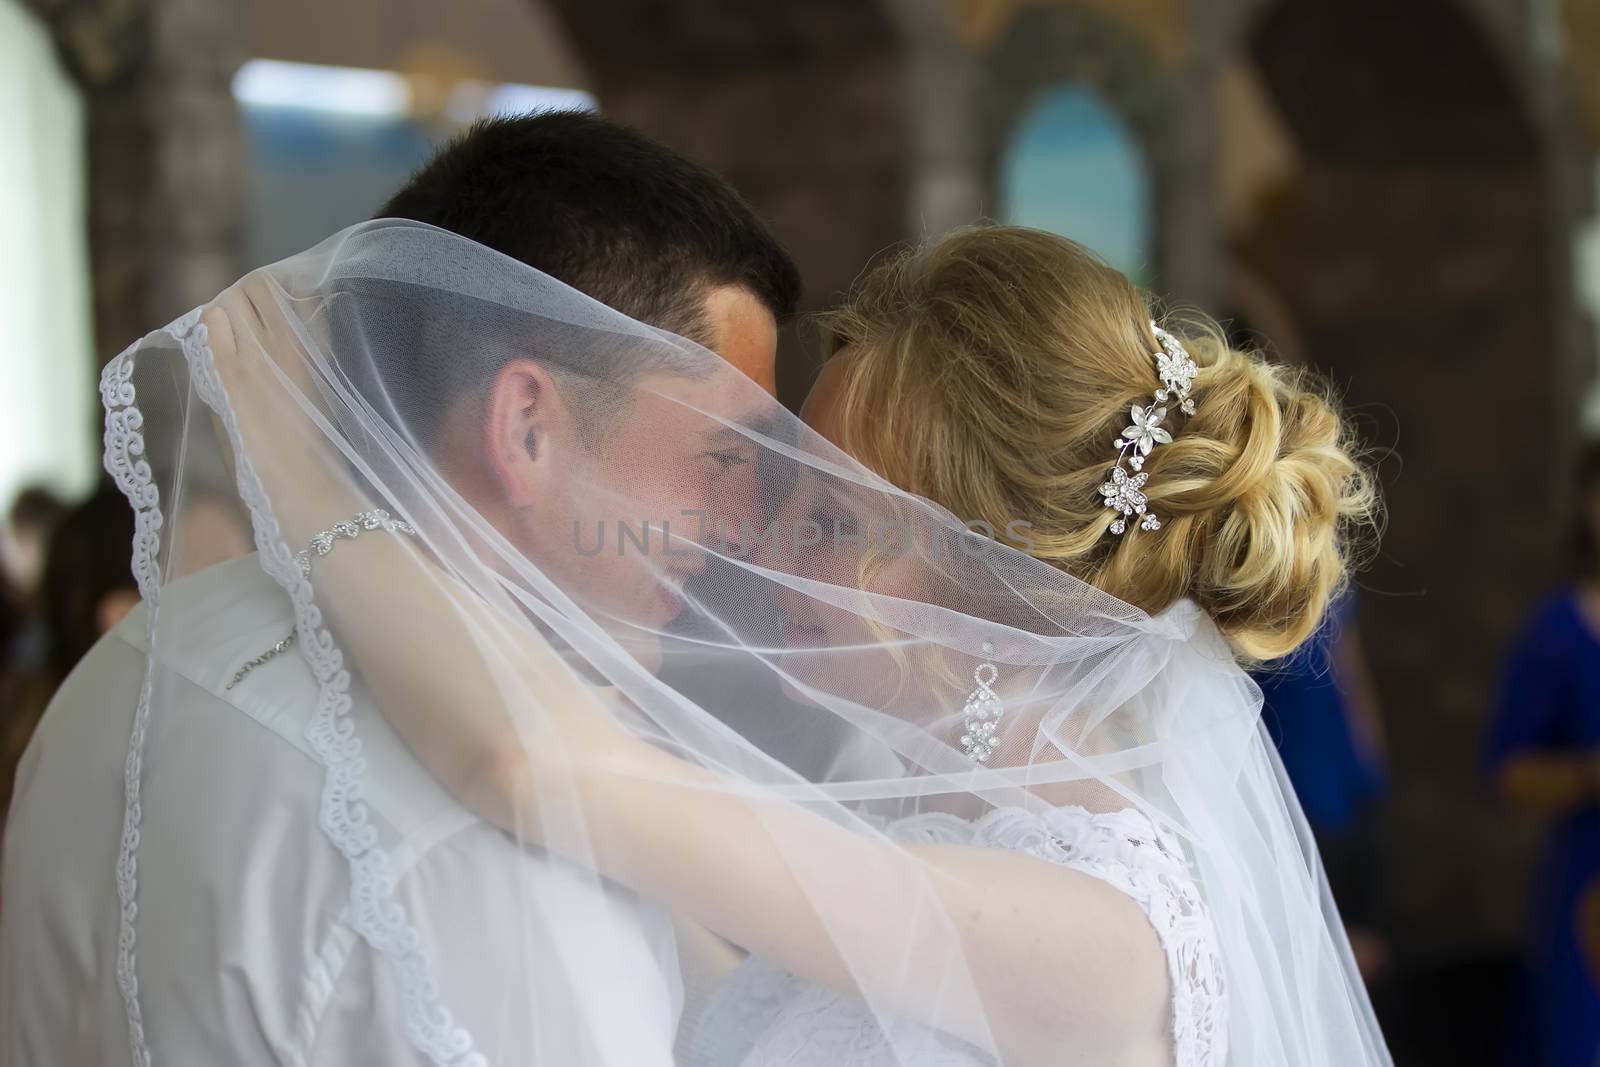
(526, 416)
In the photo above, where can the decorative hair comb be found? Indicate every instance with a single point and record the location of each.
(1122, 493)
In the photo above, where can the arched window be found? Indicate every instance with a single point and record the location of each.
(1073, 167)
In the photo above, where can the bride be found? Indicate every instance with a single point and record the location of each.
(936, 726)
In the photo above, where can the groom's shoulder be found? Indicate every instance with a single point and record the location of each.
(213, 624)
(208, 627)
(206, 621)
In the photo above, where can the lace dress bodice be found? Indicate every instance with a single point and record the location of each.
(764, 1016)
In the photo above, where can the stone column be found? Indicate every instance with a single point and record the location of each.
(944, 163)
(1191, 238)
(166, 154)
(798, 105)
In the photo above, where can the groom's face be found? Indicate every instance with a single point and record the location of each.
(616, 514)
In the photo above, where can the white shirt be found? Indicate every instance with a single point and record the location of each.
(245, 949)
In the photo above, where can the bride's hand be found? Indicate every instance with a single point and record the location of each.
(270, 389)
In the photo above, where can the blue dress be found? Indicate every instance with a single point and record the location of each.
(1550, 700)
(1336, 778)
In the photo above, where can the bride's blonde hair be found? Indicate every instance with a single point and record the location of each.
(992, 370)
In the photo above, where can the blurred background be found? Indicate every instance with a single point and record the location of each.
(1399, 193)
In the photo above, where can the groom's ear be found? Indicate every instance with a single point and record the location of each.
(526, 417)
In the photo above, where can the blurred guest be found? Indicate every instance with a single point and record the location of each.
(1589, 927)
(1543, 756)
(1322, 712)
(34, 513)
(86, 588)
(13, 626)
(88, 581)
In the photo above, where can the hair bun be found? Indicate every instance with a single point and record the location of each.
(1266, 479)
(992, 369)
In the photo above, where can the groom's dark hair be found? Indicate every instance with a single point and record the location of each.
(605, 210)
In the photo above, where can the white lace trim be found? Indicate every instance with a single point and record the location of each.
(343, 814)
(374, 912)
(125, 461)
(1125, 849)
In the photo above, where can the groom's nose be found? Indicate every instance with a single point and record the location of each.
(734, 510)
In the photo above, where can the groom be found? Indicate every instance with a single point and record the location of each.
(246, 948)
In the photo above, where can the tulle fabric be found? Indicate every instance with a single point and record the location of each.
(700, 625)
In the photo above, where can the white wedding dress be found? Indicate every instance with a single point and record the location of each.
(763, 1016)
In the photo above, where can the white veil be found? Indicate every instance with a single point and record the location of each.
(746, 705)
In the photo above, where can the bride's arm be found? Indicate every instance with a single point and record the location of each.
(1050, 951)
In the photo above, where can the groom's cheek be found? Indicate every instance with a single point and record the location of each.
(740, 501)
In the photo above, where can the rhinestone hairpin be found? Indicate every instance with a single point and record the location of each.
(1122, 492)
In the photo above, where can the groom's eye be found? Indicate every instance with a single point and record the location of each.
(728, 459)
